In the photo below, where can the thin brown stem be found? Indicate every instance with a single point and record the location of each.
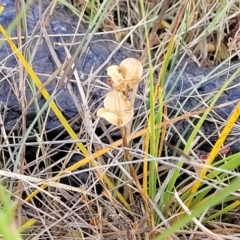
(132, 170)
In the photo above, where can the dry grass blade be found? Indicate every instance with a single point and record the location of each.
(83, 178)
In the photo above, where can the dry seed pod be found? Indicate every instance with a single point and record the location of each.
(117, 109)
(117, 79)
(126, 75)
(131, 69)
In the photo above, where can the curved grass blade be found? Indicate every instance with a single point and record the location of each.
(58, 114)
(234, 186)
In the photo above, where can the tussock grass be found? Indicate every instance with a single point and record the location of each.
(187, 197)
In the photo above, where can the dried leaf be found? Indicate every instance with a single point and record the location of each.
(117, 109)
(131, 69)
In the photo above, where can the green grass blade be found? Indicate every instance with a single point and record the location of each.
(234, 186)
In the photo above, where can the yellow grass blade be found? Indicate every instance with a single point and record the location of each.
(60, 117)
(233, 118)
(1, 9)
(44, 92)
(145, 164)
(104, 150)
(27, 225)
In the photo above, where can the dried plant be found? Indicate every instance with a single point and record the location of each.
(117, 108)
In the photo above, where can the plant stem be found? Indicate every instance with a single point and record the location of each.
(132, 170)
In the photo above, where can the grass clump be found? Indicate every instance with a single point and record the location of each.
(169, 192)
